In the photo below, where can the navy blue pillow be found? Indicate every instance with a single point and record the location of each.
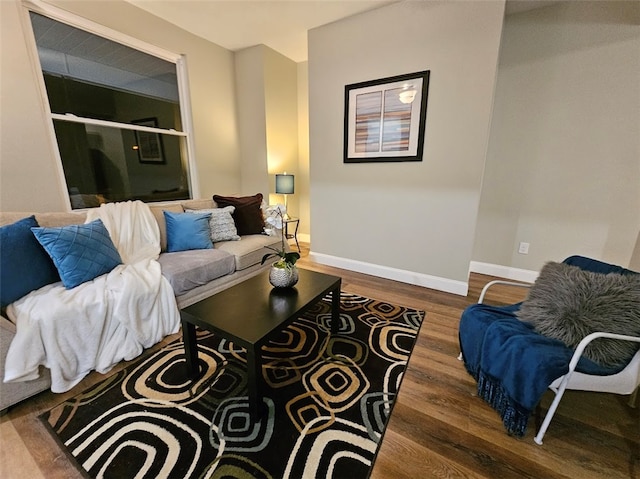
(186, 231)
(80, 252)
(24, 265)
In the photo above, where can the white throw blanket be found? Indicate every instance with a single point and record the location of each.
(101, 322)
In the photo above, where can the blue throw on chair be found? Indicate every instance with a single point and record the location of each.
(513, 364)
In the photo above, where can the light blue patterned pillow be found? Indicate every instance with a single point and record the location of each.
(187, 231)
(80, 252)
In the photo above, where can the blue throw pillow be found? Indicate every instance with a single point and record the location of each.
(24, 265)
(80, 252)
(187, 231)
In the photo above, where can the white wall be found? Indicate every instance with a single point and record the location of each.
(563, 165)
(28, 166)
(412, 221)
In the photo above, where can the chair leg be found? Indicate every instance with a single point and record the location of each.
(551, 411)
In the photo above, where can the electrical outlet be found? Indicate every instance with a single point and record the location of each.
(523, 248)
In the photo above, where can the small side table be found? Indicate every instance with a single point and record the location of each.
(293, 235)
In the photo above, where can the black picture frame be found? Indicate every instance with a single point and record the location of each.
(385, 119)
(148, 143)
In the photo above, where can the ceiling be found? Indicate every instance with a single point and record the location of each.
(280, 24)
(238, 24)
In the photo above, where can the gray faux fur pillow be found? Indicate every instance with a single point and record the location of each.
(568, 303)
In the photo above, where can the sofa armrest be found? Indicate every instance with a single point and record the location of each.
(11, 393)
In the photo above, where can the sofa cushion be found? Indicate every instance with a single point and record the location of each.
(45, 219)
(186, 270)
(187, 231)
(80, 252)
(248, 215)
(221, 224)
(157, 211)
(250, 249)
(568, 303)
(200, 204)
(24, 265)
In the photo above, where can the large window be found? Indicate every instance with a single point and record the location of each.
(117, 117)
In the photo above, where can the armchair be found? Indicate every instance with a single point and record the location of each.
(514, 364)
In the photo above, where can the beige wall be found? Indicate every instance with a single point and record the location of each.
(250, 81)
(634, 264)
(27, 161)
(303, 179)
(28, 168)
(268, 121)
(416, 220)
(563, 166)
(281, 105)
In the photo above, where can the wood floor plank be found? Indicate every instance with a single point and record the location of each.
(452, 441)
(419, 462)
(13, 460)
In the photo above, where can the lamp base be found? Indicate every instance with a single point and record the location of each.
(285, 216)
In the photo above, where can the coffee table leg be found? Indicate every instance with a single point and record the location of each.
(335, 309)
(254, 380)
(190, 349)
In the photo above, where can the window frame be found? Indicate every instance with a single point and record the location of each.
(82, 23)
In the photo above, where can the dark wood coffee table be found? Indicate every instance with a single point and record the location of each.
(249, 313)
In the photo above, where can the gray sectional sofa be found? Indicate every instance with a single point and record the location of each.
(193, 275)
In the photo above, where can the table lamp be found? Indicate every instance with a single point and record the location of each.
(285, 186)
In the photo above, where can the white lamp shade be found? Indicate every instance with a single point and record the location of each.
(284, 184)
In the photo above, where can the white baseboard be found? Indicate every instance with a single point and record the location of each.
(434, 282)
(506, 272)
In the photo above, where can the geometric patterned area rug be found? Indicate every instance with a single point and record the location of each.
(328, 400)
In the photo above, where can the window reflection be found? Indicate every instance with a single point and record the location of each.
(102, 164)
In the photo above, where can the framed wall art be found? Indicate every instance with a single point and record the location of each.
(149, 143)
(384, 120)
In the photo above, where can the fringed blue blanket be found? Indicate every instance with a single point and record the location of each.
(512, 364)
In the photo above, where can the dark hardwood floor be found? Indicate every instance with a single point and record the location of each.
(438, 428)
